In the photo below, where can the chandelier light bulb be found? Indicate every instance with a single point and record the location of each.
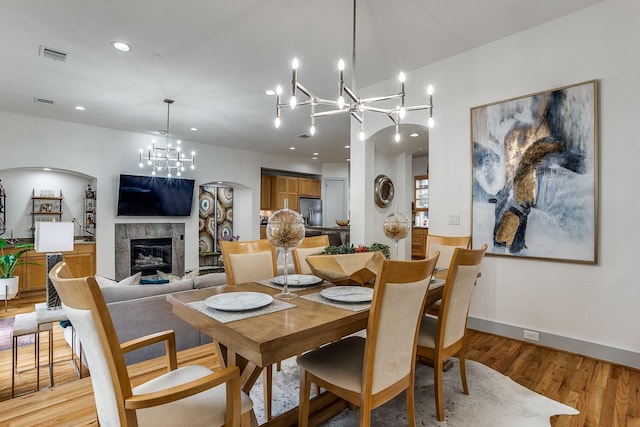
(293, 101)
(397, 137)
(141, 164)
(295, 63)
(341, 65)
(193, 167)
(278, 90)
(430, 123)
(362, 135)
(178, 148)
(169, 145)
(341, 102)
(169, 175)
(430, 90)
(149, 162)
(401, 77)
(179, 142)
(178, 173)
(277, 122)
(153, 172)
(312, 130)
(402, 112)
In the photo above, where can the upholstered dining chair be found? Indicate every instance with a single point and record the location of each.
(246, 262)
(445, 245)
(368, 372)
(309, 246)
(191, 395)
(443, 336)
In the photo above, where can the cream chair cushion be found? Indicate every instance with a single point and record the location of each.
(250, 267)
(204, 409)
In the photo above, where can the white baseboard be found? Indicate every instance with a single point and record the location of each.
(585, 348)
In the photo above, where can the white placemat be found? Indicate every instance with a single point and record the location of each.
(358, 306)
(269, 283)
(232, 316)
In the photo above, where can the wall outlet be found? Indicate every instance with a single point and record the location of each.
(531, 335)
(454, 219)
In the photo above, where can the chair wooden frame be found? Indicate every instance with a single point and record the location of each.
(320, 242)
(252, 247)
(392, 274)
(462, 283)
(84, 294)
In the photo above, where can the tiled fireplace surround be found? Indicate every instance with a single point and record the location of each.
(125, 232)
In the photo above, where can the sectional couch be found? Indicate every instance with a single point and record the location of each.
(138, 310)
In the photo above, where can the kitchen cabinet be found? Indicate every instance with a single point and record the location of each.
(309, 187)
(266, 197)
(81, 261)
(419, 242)
(286, 187)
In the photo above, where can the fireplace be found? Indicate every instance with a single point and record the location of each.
(157, 240)
(151, 255)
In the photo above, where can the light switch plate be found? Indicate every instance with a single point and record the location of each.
(454, 219)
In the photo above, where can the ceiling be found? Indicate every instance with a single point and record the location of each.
(217, 58)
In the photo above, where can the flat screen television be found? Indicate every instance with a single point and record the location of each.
(154, 196)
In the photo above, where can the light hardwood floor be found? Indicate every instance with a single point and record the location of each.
(604, 393)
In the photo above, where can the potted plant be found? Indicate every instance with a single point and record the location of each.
(9, 284)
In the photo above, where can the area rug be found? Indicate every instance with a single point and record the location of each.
(494, 400)
(6, 325)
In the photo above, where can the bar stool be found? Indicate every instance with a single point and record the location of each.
(24, 325)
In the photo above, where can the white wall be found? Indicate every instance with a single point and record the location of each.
(105, 154)
(591, 303)
(583, 308)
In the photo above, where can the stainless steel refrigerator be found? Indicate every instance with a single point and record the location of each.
(311, 210)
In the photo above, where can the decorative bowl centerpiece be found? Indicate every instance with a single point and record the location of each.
(285, 231)
(342, 222)
(348, 264)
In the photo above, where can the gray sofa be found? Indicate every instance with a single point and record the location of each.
(139, 310)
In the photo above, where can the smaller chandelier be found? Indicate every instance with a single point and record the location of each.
(170, 158)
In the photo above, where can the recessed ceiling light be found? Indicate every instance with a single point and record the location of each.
(314, 158)
(414, 135)
(347, 146)
(220, 182)
(46, 169)
(270, 92)
(292, 148)
(348, 160)
(315, 154)
(121, 46)
(80, 108)
(194, 129)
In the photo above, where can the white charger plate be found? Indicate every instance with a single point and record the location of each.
(298, 280)
(238, 301)
(348, 293)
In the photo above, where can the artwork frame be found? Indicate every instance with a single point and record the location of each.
(535, 175)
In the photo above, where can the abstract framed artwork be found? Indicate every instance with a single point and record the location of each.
(535, 175)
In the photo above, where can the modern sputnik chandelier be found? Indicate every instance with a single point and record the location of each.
(355, 106)
(168, 158)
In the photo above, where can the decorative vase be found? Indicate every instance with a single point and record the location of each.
(396, 227)
(285, 231)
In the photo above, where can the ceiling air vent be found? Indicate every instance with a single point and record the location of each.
(43, 101)
(56, 55)
(304, 136)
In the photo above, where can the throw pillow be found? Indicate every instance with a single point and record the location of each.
(153, 281)
(170, 277)
(103, 282)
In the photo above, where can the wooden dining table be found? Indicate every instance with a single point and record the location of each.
(256, 342)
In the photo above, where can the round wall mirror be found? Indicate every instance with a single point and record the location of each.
(383, 191)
